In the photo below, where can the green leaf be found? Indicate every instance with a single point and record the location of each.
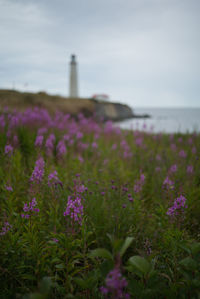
(52, 242)
(55, 260)
(106, 267)
(125, 246)
(45, 285)
(80, 282)
(188, 263)
(86, 283)
(60, 266)
(192, 248)
(101, 252)
(195, 248)
(186, 248)
(117, 244)
(111, 238)
(140, 264)
(34, 296)
(196, 283)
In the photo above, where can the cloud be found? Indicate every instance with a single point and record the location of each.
(142, 52)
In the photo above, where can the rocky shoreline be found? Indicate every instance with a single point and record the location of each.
(115, 111)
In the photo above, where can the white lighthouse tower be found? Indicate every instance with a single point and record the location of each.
(73, 81)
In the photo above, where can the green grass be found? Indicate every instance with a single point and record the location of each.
(49, 255)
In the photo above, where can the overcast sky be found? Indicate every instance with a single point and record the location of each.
(139, 52)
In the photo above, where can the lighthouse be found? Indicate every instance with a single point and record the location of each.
(73, 80)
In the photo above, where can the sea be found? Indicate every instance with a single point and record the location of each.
(165, 120)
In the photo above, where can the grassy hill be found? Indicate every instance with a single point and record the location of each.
(22, 100)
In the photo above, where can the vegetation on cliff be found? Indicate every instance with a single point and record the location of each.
(73, 106)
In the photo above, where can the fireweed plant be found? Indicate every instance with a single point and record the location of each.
(88, 210)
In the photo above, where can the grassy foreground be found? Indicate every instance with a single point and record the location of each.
(91, 211)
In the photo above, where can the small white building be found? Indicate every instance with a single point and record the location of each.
(101, 97)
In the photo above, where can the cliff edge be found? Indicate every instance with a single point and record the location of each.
(89, 107)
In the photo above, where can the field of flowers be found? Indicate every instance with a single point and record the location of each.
(88, 210)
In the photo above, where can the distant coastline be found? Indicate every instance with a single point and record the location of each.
(87, 106)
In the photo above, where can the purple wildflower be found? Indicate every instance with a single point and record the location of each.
(8, 188)
(80, 188)
(130, 198)
(182, 154)
(124, 144)
(39, 140)
(66, 137)
(5, 228)
(103, 290)
(114, 147)
(83, 146)
(169, 184)
(139, 183)
(194, 150)
(94, 145)
(50, 144)
(38, 171)
(180, 139)
(74, 209)
(179, 205)
(79, 135)
(8, 150)
(115, 284)
(71, 142)
(139, 141)
(173, 168)
(80, 158)
(158, 158)
(30, 207)
(14, 121)
(144, 126)
(190, 169)
(127, 154)
(173, 147)
(61, 148)
(42, 131)
(53, 179)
